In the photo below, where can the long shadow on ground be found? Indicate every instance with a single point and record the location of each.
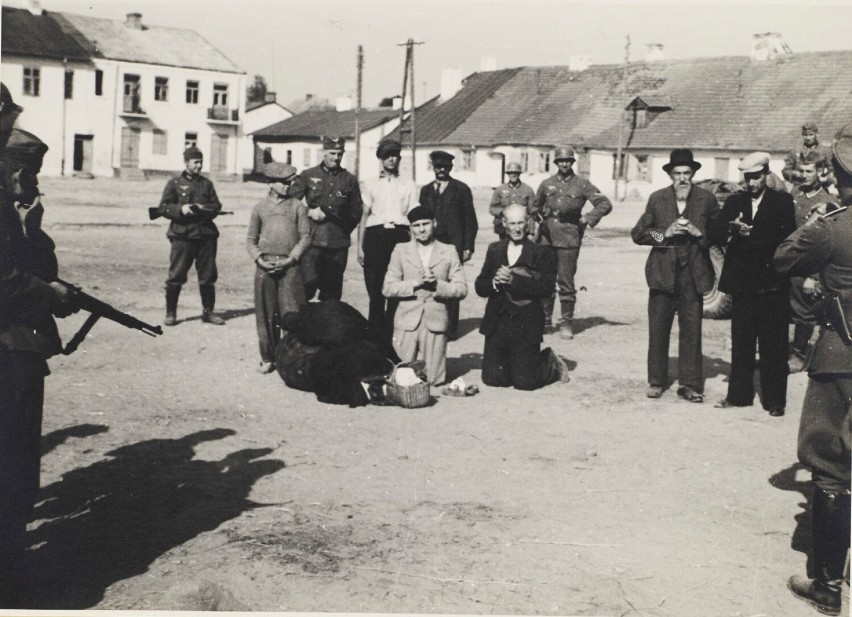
(111, 520)
(56, 438)
(587, 323)
(785, 480)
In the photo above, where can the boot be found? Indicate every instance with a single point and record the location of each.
(208, 301)
(799, 347)
(172, 295)
(547, 304)
(566, 324)
(830, 541)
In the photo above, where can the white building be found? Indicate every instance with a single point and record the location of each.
(259, 115)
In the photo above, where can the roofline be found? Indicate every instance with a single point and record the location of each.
(83, 59)
(179, 66)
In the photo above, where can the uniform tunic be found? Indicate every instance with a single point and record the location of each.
(506, 195)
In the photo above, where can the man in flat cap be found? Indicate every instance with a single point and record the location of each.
(752, 224)
(334, 208)
(511, 192)
(190, 202)
(279, 233)
(9, 112)
(678, 273)
(423, 274)
(387, 200)
(455, 218)
(822, 247)
(560, 200)
(811, 148)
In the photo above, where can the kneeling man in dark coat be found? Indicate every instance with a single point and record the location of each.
(516, 277)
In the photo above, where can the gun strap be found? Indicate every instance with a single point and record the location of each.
(72, 345)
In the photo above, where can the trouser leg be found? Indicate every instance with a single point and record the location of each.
(825, 431)
(566, 269)
(406, 344)
(331, 264)
(530, 366)
(265, 300)
(690, 356)
(379, 243)
(434, 346)
(802, 333)
(661, 310)
(308, 268)
(773, 328)
(495, 360)
(205, 261)
(744, 314)
(181, 256)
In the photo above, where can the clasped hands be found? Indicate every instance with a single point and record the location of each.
(502, 277)
(426, 281)
(680, 228)
(273, 266)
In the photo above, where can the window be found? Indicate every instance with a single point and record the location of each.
(161, 88)
(640, 119)
(543, 162)
(131, 94)
(69, 84)
(615, 170)
(468, 160)
(32, 81)
(643, 167)
(190, 140)
(99, 82)
(289, 157)
(160, 142)
(525, 161)
(306, 159)
(220, 95)
(192, 92)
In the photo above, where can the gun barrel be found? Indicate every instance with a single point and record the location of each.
(102, 309)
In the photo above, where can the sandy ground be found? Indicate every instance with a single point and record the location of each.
(175, 477)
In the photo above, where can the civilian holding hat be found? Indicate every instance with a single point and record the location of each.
(334, 208)
(560, 200)
(823, 247)
(423, 275)
(387, 200)
(813, 150)
(279, 233)
(678, 273)
(190, 202)
(511, 192)
(752, 224)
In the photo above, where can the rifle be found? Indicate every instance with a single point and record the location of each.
(154, 213)
(97, 309)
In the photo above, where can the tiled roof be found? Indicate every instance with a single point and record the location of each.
(311, 125)
(40, 36)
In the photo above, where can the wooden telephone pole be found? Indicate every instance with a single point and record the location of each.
(619, 157)
(360, 63)
(409, 74)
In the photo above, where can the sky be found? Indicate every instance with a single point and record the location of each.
(310, 46)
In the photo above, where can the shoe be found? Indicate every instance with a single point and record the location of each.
(776, 412)
(170, 320)
(725, 404)
(654, 391)
(689, 394)
(566, 331)
(549, 328)
(209, 317)
(562, 369)
(823, 599)
(796, 363)
(265, 368)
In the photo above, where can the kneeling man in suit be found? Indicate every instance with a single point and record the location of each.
(423, 275)
(516, 277)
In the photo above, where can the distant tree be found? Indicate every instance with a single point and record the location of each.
(256, 92)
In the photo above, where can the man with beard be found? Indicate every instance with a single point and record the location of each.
(810, 147)
(753, 224)
(678, 273)
(512, 192)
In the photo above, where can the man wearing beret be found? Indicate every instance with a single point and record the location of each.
(387, 200)
(822, 247)
(190, 202)
(810, 147)
(422, 275)
(512, 192)
(455, 218)
(279, 233)
(753, 224)
(560, 200)
(334, 208)
(678, 273)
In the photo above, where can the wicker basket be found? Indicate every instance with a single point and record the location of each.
(410, 397)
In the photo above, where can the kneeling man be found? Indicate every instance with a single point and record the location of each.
(423, 275)
(516, 277)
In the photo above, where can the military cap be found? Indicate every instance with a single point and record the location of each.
(809, 127)
(333, 143)
(24, 150)
(564, 153)
(754, 162)
(6, 102)
(420, 213)
(842, 147)
(388, 147)
(278, 172)
(513, 168)
(441, 157)
(192, 153)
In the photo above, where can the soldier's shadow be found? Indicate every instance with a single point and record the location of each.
(227, 315)
(785, 480)
(587, 323)
(468, 325)
(56, 438)
(111, 520)
(458, 367)
(712, 367)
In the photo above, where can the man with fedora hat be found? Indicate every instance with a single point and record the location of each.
(190, 202)
(560, 200)
(279, 233)
(334, 208)
(678, 273)
(813, 150)
(752, 224)
(511, 192)
(387, 200)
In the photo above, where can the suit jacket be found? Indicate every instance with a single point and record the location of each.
(520, 300)
(454, 214)
(748, 260)
(415, 305)
(692, 252)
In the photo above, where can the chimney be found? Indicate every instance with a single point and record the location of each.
(451, 83)
(134, 21)
(34, 7)
(768, 46)
(269, 97)
(344, 103)
(397, 102)
(579, 62)
(487, 63)
(654, 53)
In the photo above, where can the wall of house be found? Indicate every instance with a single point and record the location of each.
(254, 120)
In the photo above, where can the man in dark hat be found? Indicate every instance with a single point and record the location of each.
(678, 273)
(334, 207)
(9, 112)
(455, 218)
(810, 147)
(387, 200)
(560, 200)
(513, 191)
(752, 224)
(190, 202)
(279, 233)
(822, 247)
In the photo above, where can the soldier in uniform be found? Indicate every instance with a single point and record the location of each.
(823, 247)
(512, 192)
(334, 207)
(810, 146)
(560, 200)
(190, 202)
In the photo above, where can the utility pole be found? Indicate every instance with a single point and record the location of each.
(619, 164)
(409, 73)
(360, 63)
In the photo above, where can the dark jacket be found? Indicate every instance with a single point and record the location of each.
(454, 214)
(185, 189)
(661, 267)
(337, 194)
(520, 300)
(748, 260)
(560, 200)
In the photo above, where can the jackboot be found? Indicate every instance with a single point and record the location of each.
(172, 295)
(208, 301)
(566, 324)
(830, 541)
(548, 304)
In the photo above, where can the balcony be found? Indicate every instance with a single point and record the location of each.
(221, 114)
(132, 109)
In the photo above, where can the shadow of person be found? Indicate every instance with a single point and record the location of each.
(56, 438)
(587, 323)
(467, 325)
(109, 521)
(785, 480)
(457, 367)
(227, 314)
(711, 367)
